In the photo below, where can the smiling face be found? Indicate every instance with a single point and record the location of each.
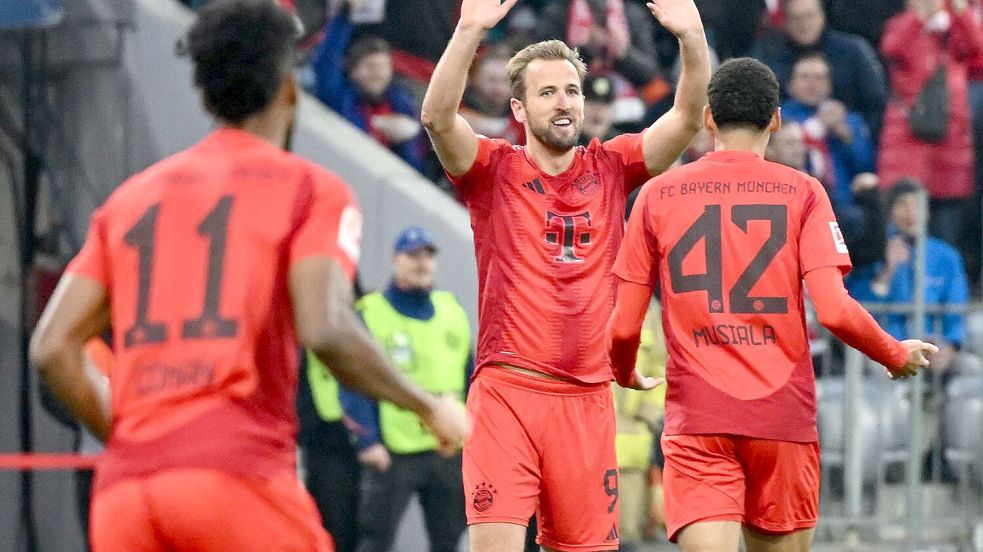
(553, 106)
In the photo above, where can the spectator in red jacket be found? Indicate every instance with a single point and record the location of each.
(915, 42)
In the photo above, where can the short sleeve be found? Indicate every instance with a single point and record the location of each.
(821, 242)
(629, 149)
(482, 167)
(92, 260)
(637, 259)
(332, 226)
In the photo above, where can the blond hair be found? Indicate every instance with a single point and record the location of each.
(548, 50)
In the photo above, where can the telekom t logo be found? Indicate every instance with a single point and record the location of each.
(566, 230)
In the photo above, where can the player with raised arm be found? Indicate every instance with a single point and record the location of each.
(547, 220)
(212, 264)
(730, 238)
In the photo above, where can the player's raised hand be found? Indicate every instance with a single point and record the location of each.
(449, 423)
(484, 14)
(680, 17)
(643, 383)
(916, 358)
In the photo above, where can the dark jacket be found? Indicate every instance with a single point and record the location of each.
(858, 78)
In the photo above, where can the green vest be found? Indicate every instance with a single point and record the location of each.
(324, 389)
(433, 353)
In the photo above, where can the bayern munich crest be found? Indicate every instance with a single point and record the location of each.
(483, 497)
(588, 183)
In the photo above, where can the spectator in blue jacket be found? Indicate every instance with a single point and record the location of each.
(840, 138)
(356, 80)
(893, 279)
(858, 78)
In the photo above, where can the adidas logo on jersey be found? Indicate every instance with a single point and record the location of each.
(612, 534)
(536, 186)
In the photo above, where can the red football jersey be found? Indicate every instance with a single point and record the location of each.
(545, 246)
(729, 239)
(194, 254)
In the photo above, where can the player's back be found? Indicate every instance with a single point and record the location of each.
(197, 249)
(734, 235)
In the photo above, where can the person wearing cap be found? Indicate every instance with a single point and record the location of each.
(427, 335)
(598, 110)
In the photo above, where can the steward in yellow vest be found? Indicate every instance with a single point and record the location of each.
(427, 335)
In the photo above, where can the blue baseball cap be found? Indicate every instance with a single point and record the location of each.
(414, 238)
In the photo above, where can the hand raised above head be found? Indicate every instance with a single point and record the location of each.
(680, 17)
(484, 14)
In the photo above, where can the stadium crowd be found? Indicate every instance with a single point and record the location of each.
(879, 102)
(851, 77)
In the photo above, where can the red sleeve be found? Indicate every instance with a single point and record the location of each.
(629, 148)
(93, 260)
(332, 227)
(625, 329)
(637, 259)
(848, 321)
(820, 240)
(481, 169)
(966, 39)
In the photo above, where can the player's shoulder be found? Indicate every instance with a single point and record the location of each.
(141, 187)
(498, 146)
(325, 182)
(804, 187)
(616, 145)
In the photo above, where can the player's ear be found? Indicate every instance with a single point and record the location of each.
(708, 122)
(518, 110)
(776, 120)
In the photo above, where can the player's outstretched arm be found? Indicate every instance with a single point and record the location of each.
(843, 316)
(668, 136)
(78, 310)
(451, 135)
(624, 333)
(327, 325)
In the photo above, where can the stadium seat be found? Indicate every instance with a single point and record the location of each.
(962, 422)
(974, 332)
(968, 364)
(882, 421)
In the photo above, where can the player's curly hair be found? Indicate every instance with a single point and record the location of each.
(548, 50)
(242, 50)
(743, 93)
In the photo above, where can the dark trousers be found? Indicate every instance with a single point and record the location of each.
(332, 479)
(385, 495)
(83, 496)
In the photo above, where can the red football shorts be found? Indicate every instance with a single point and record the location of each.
(771, 486)
(206, 510)
(546, 442)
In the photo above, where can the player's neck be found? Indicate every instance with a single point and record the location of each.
(742, 140)
(546, 159)
(267, 126)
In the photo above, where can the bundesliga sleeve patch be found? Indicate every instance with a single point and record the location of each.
(838, 240)
(350, 233)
